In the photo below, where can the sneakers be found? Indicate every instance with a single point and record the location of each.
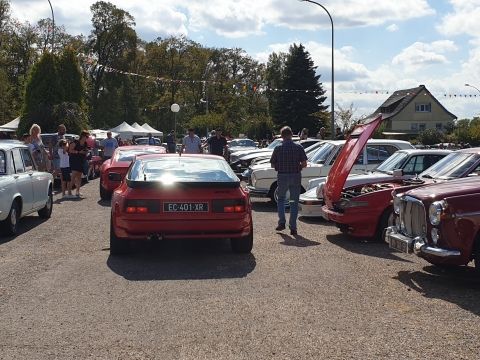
(280, 227)
(293, 232)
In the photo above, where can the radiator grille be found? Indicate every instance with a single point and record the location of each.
(412, 217)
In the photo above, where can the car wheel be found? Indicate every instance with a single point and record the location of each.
(46, 211)
(275, 197)
(10, 224)
(244, 244)
(385, 221)
(117, 246)
(104, 193)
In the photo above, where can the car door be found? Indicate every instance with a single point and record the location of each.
(23, 181)
(39, 180)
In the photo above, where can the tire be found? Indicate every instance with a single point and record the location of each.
(46, 211)
(274, 196)
(104, 194)
(243, 245)
(10, 224)
(117, 246)
(385, 221)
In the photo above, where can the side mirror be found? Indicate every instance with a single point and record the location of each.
(397, 173)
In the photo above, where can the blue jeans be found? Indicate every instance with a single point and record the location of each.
(292, 183)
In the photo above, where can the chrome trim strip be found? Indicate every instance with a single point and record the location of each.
(429, 250)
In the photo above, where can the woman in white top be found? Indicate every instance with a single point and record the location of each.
(65, 167)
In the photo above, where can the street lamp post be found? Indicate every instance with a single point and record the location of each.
(53, 26)
(476, 88)
(175, 108)
(332, 106)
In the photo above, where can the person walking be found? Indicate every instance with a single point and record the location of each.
(288, 159)
(191, 143)
(217, 143)
(37, 149)
(78, 151)
(108, 145)
(171, 143)
(54, 147)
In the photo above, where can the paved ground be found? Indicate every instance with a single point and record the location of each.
(320, 296)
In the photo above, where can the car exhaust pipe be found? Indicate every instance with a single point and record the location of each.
(155, 237)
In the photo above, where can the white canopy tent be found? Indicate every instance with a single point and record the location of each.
(125, 131)
(151, 130)
(140, 129)
(11, 126)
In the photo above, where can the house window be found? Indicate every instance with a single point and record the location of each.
(414, 126)
(423, 107)
(439, 126)
(422, 127)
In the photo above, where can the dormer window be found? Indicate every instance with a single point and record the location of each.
(423, 107)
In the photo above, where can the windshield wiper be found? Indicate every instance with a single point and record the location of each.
(426, 176)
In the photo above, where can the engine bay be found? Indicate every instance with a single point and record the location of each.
(365, 189)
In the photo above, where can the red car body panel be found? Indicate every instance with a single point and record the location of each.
(176, 225)
(346, 159)
(112, 165)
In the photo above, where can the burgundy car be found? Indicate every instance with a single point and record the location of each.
(440, 222)
(366, 210)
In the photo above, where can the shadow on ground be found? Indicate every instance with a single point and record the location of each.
(364, 247)
(457, 285)
(264, 206)
(25, 225)
(104, 203)
(182, 260)
(297, 240)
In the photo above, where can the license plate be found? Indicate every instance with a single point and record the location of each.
(185, 207)
(399, 245)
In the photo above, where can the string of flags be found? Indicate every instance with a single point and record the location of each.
(94, 67)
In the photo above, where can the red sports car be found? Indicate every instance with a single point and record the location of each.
(114, 169)
(167, 196)
(366, 210)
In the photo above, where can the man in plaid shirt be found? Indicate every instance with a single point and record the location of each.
(288, 159)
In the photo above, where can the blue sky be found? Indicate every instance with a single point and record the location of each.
(380, 46)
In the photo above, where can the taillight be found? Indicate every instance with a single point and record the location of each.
(229, 206)
(142, 206)
(113, 176)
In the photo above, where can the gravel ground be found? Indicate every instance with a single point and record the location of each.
(319, 296)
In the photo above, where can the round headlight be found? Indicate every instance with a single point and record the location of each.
(435, 212)
(396, 204)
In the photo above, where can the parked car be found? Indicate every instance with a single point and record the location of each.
(439, 222)
(167, 196)
(403, 164)
(366, 210)
(235, 145)
(144, 141)
(114, 169)
(264, 179)
(24, 190)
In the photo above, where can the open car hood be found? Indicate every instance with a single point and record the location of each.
(346, 159)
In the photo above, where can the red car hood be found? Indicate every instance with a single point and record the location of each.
(346, 159)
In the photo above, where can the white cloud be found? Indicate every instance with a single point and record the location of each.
(463, 19)
(422, 54)
(392, 28)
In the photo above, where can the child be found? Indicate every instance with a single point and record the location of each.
(65, 167)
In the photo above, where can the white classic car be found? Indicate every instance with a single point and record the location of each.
(23, 189)
(263, 180)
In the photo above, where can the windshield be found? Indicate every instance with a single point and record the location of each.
(395, 161)
(452, 166)
(170, 170)
(274, 144)
(322, 154)
(129, 155)
(3, 163)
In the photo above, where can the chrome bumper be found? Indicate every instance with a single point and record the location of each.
(416, 245)
(258, 192)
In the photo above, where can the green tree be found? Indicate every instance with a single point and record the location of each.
(6, 113)
(43, 91)
(431, 137)
(296, 108)
(72, 83)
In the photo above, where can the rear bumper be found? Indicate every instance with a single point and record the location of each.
(417, 245)
(257, 192)
(182, 229)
